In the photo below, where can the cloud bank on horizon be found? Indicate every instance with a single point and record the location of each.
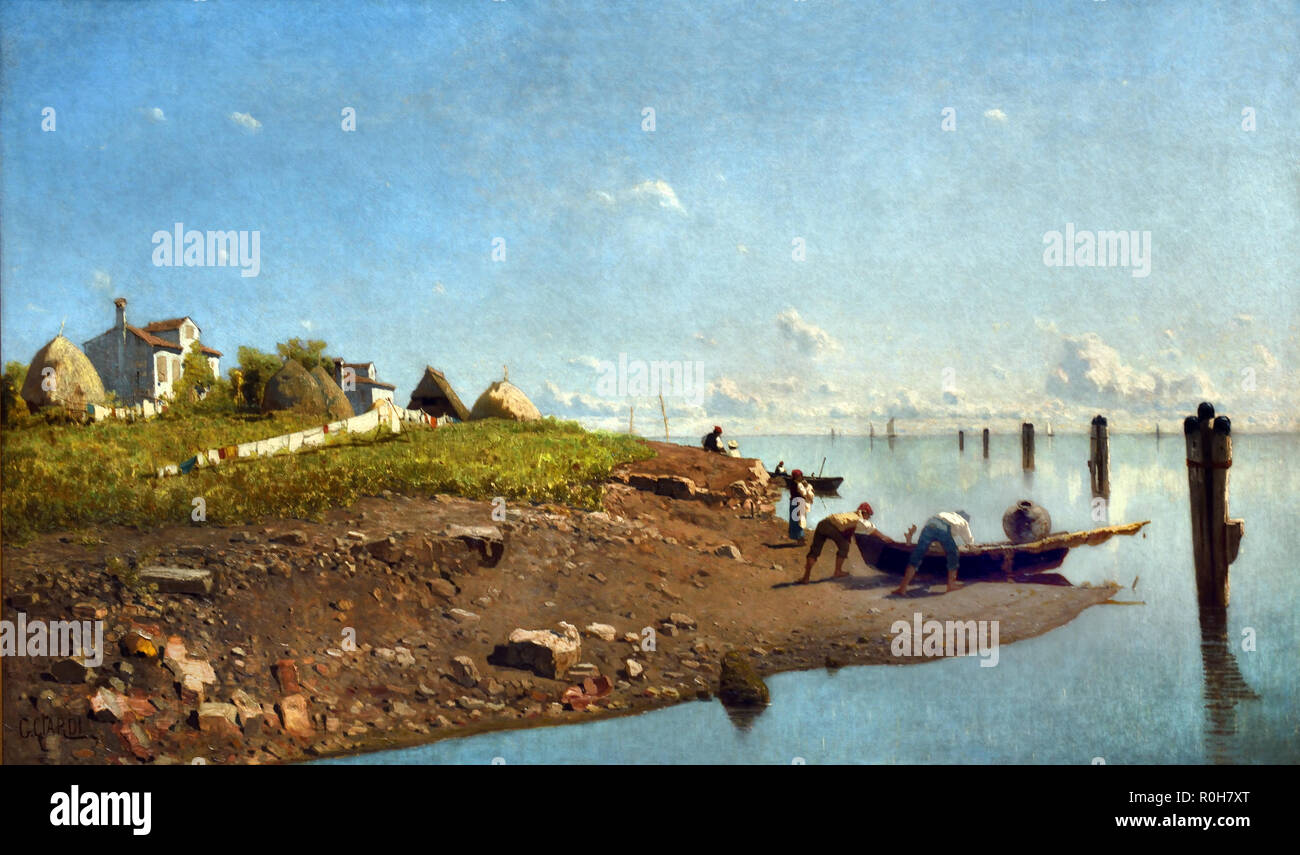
(799, 216)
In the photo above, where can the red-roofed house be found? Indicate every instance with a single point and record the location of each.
(142, 363)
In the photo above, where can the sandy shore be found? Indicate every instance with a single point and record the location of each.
(340, 636)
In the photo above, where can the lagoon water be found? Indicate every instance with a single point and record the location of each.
(1126, 684)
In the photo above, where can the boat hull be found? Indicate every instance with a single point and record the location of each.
(820, 485)
(990, 559)
(988, 562)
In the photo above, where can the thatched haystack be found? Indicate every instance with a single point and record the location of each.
(293, 388)
(337, 405)
(504, 400)
(434, 396)
(75, 382)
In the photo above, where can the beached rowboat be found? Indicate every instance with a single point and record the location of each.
(821, 485)
(989, 559)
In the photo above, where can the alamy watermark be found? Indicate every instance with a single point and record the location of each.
(183, 247)
(1098, 249)
(638, 378)
(83, 639)
(946, 638)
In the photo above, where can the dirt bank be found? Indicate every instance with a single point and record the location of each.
(412, 584)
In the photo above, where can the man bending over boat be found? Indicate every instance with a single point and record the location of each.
(943, 527)
(839, 528)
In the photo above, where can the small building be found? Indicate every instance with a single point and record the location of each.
(361, 384)
(434, 396)
(140, 364)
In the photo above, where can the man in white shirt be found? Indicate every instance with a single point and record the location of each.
(944, 527)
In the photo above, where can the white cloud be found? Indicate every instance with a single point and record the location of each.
(808, 338)
(742, 249)
(659, 190)
(995, 114)
(155, 114)
(439, 288)
(586, 362)
(1093, 373)
(101, 281)
(246, 121)
(306, 324)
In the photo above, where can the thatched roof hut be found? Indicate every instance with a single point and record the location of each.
(337, 405)
(293, 388)
(504, 400)
(434, 396)
(73, 384)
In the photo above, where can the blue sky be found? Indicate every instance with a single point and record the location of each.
(922, 292)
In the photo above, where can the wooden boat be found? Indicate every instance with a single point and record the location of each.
(989, 559)
(822, 486)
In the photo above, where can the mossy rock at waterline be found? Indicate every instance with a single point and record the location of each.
(739, 684)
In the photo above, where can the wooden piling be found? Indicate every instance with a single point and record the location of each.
(1215, 538)
(631, 415)
(1027, 446)
(961, 440)
(986, 443)
(1099, 457)
(664, 413)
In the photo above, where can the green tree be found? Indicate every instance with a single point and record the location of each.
(196, 375)
(309, 353)
(256, 367)
(12, 405)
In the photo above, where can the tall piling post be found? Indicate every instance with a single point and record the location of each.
(1099, 457)
(1215, 538)
(961, 440)
(1027, 446)
(986, 443)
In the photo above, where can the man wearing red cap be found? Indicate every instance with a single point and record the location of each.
(713, 441)
(839, 528)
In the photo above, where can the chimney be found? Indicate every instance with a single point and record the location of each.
(120, 302)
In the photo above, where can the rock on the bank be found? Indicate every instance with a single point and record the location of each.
(603, 631)
(545, 652)
(739, 684)
(178, 580)
(465, 672)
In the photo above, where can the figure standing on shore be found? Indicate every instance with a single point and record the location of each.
(733, 449)
(839, 528)
(943, 527)
(801, 496)
(713, 441)
(780, 468)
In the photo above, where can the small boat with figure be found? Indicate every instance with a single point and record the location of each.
(986, 560)
(822, 485)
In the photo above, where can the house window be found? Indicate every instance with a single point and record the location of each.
(162, 368)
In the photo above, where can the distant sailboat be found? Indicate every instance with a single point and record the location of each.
(872, 427)
(889, 429)
(1157, 431)
(1049, 429)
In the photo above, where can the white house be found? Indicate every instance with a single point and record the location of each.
(361, 385)
(142, 363)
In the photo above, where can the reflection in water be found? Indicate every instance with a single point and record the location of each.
(744, 717)
(1224, 685)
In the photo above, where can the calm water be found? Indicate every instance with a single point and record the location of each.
(1130, 684)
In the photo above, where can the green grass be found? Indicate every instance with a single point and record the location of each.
(69, 477)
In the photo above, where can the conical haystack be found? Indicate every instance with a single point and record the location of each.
(504, 400)
(72, 385)
(434, 396)
(337, 405)
(292, 388)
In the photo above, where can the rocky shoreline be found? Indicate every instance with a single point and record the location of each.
(403, 620)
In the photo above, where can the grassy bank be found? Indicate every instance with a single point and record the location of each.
(70, 476)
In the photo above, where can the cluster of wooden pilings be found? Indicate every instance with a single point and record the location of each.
(1215, 538)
